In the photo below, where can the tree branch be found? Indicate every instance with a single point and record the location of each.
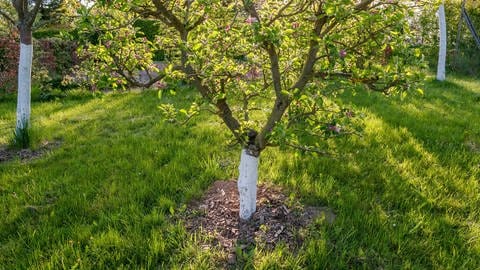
(168, 17)
(20, 6)
(280, 12)
(7, 17)
(312, 52)
(120, 69)
(363, 5)
(199, 21)
(225, 113)
(33, 13)
(281, 101)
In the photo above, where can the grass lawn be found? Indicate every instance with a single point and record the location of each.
(406, 194)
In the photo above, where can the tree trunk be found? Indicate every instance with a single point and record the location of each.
(24, 79)
(247, 184)
(442, 55)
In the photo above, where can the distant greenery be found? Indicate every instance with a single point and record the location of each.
(46, 33)
(466, 61)
(405, 194)
(150, 29)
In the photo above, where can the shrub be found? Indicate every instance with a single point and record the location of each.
(53, 60)
(9, 53)
(46, 33)
(57, 56)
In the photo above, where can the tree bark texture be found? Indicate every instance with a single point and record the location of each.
(24, 79)
(247, 184)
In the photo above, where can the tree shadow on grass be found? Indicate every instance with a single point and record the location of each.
(122, 173)
(441, 121)
(403, 193)
(385, 217)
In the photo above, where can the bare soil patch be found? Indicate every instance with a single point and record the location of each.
(278, 219)
(8, 154)
(473, 146)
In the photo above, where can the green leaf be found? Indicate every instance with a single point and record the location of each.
(330, 10)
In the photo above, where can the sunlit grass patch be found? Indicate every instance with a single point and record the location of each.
(406, 193)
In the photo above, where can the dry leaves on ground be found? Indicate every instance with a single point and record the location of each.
(277, 219)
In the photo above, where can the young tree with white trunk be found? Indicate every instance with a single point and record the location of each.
(270, 69)
(26, 12)
(442, 52)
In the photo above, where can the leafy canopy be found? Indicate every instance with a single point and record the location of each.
(269, 69)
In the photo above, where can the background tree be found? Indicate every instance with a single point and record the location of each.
(26, 12)
(116, 54)
(244, 57)
(461, 57)
(442, 57)
(53, 56)
(59, 14)
(8, 48)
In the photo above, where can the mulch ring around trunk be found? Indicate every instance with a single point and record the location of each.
(8, 154)
(278, 219)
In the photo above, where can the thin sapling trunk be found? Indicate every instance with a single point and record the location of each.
(24, 81)
(442, 54)
(247, 184)
(27, 12)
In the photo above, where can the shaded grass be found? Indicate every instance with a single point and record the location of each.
(406, 194)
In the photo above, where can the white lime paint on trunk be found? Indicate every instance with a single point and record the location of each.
(442, 54)
(247, 185)
(24, 86)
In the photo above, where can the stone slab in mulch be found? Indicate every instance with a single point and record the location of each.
(277, 219)
(8, 154)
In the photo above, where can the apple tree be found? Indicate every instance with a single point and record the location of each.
(268, 68)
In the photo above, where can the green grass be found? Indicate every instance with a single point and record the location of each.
(406, 194)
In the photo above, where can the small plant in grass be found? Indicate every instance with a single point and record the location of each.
(21, 138)
(271, 69)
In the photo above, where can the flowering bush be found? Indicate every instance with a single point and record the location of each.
(9, 53)
(52, 61)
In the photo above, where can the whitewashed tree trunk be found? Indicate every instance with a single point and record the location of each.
(442, 54)
(24, 86)
(247, 185)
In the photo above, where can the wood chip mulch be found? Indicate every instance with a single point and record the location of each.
(278, 219)
(8, 154)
